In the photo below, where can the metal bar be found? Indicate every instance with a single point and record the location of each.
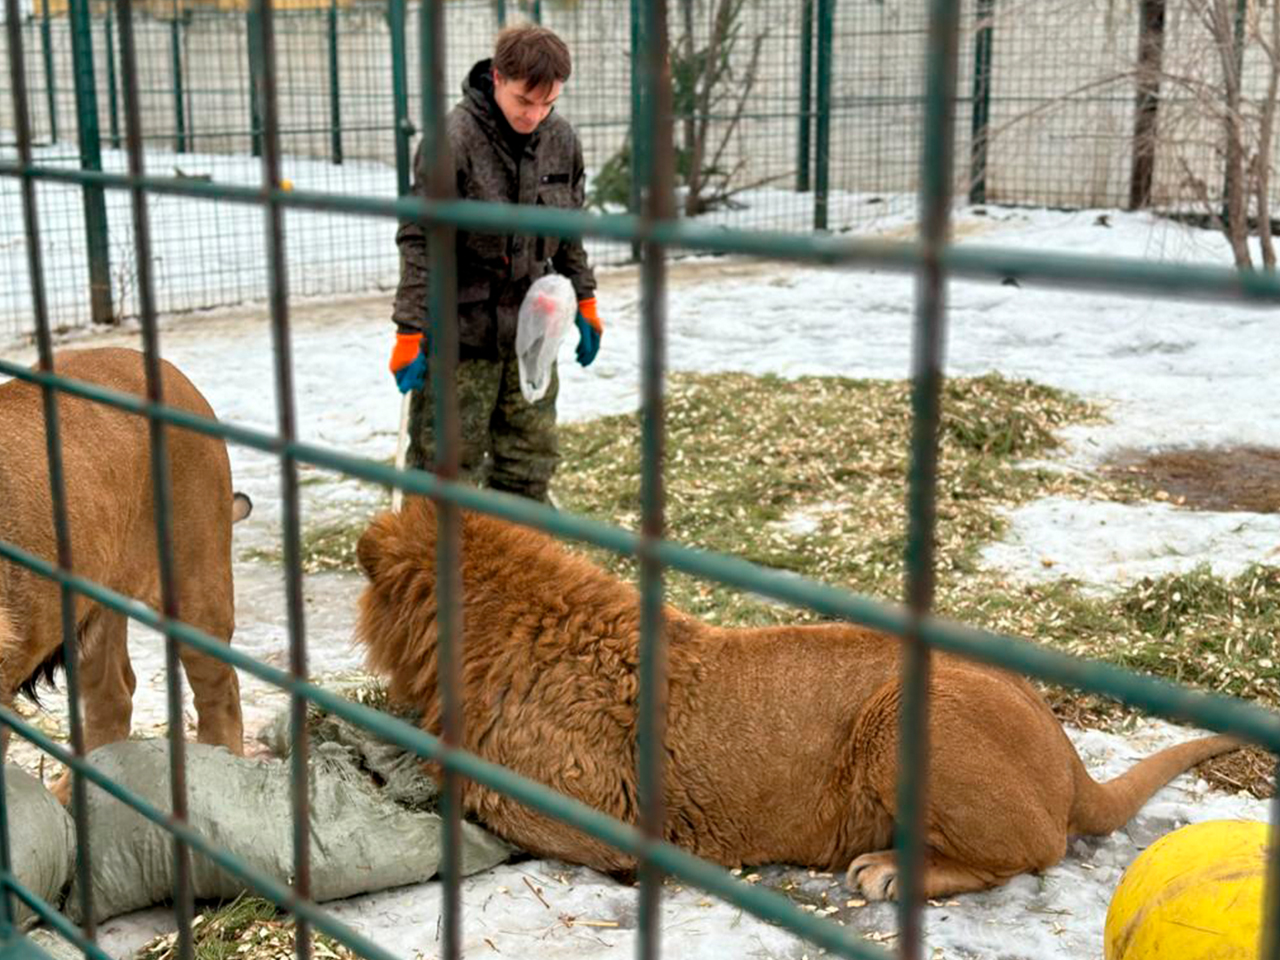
(715, 880)
(335, 87)
(50, 73)
(183, 896)
(441, 239)
(537, 11)
(1146, 110)
(400, 96)
(53, 440)
(89, 137)
(252, 32)
(52, 917)
(264, 51)
(8, 912)
(638, 144)
(175, 64)
(500, 12)
(113, 107)
(658, 176)
(912, 819)
(822, 147)
(981, 101)
(1127, 276)
(804, 135)
(1269, 948)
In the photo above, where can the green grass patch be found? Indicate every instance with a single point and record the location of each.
(327, 546)
(809, 475)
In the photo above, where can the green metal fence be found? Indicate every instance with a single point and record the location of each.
(815, 120)
(654, 229)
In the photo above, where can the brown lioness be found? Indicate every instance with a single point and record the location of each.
(111, 514)
(781, 742)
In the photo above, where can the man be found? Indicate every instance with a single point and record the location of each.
(507, 147)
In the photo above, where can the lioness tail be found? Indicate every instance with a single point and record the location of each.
(1103, 807)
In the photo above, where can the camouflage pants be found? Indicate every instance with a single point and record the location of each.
(507, 443)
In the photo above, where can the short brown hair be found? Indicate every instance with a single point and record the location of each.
(533, 54)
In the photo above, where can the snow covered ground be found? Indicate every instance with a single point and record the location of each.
(1171, 374)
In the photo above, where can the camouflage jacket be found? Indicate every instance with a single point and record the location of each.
(495, 271)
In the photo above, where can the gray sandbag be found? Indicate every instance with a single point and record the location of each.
(42, 839)
(360, 840)
(53, 945)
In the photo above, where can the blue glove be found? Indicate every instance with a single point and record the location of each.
(590, 330)
(409, 360)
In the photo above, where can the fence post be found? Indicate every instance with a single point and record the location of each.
(113, 106)
(805, 133)
(179, 99)
(89, 135)
(400, 95)
(50, 75)
(822, 159)
(981, 106)
(255, 108)
(335, 87)
(500, 12)
(1150, 60)
(537, 11)
(638, 144)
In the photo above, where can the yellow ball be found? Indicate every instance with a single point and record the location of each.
(286, 184)
(1194, 894)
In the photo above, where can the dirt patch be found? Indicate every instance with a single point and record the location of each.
(1223, 478)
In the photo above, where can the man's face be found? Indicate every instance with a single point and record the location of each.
(524, 108)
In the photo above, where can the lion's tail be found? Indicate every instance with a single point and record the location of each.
(1103, 807)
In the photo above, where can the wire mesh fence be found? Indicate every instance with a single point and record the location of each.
(802, 115)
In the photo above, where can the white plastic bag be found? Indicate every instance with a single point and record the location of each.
(545, 317)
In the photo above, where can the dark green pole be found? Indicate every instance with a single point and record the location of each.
(981, 108)
(255, 108)
(335, 87)
(537, 11)
(113, 106)
(175, 64)
(822, 173)
(805, 134)
(400, 95)
(95, 201)
(50, 75)
(639, 144)
(500, 12)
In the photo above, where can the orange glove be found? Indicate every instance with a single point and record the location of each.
(590, 331)
(409, 360)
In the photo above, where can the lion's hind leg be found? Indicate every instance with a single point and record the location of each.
(998, 792)
(876, 876)
(215, 686)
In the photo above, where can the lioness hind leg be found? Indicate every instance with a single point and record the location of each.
(106, 684)
(215, 687)
(876, 876)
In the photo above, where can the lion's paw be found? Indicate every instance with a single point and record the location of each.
(875, 874)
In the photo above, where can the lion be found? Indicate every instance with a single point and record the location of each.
(111, 515)
(781, 742)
